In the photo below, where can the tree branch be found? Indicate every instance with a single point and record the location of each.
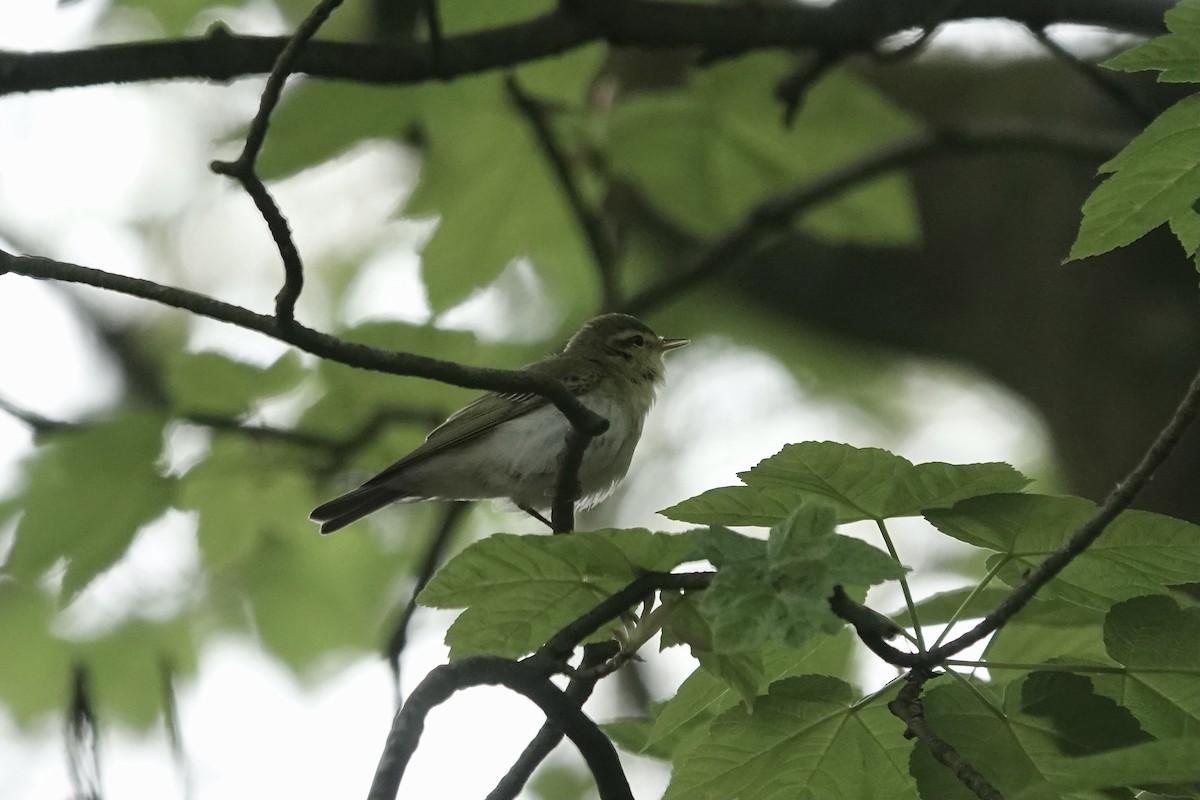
(429, 564)
(840, 26)
(908, 707)
(526, 678)
(311, 341)
(777, 213)
(242, 168)
(599, 238)
(548, 736)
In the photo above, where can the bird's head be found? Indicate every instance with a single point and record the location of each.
(625, 344)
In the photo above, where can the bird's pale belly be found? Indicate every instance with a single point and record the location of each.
(520, 459)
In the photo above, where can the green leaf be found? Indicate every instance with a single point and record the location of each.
(1155, 179)
(35, 665)
(497, 197)
(175, 16)
(706, 692)
(1159, 644)
(806, 739)
(519, 590)
(211, 384)
(126, 667)
(1146, 764)
(1176, 55)
(242, 493)
(88, 491)
(861, 483)
(1050, 630)
(308, 596)
(1018, 747)
(318, 120)
(1138, 553)
(780, 588)
(706, 155)
(939, 608)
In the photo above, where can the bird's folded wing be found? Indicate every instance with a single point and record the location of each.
(477, 418)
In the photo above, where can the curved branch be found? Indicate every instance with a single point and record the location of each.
(311, 341)
(909, 708)
(846, 25)
(525, 678)
(778, 212)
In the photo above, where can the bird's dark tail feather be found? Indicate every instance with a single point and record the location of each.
(352, 506)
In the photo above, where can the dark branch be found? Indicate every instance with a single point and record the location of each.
(777, 213)
(311, 341)
(599, 238)
(559, 647)
(242, 168)
(841, 26)
(908, 707)
(1108, 83)
(432, 559)
(526, 678)
(83, 737)
(566, 488)
(548, 736)
(33, 420)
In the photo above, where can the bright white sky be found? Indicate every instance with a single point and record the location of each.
(79, 170)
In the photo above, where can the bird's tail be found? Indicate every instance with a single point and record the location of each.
(353, 506)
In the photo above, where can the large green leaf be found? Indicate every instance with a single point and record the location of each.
(519, 590)
(805, 739)
(780, 589)
(1154, 180)
(242, 493)
(1176, 55)
(706, 155)
(496, 195)
(309, 596)
(706, 693)
(35, 665)
(1139, 553)
(1018, 747)
(861, 483)
(1159, 644)
(1146, 764)
(87, 491)
(212, 384)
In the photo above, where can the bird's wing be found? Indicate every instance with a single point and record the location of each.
(480, 416)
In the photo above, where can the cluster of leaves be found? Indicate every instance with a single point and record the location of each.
(90, 492)
(1091, 690)
(1153, 179)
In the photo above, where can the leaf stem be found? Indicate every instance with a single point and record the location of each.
(970, 598)
(908, 598)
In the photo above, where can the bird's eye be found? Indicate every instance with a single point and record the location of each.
(638, 341)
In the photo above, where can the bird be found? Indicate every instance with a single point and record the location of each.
(508, 445)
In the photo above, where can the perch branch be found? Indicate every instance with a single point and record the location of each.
(311, 341)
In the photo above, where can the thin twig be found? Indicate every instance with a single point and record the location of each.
(1108, 83)
(598, 236)
(243, 167)
(909, 708)
(174, 727)
(83, 737)
(566, 487)
(778, 212)
(33, 420)
(793, 87)
(434, 555)
(433, 20)
(527, 678)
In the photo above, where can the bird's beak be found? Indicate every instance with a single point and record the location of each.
(672, 344)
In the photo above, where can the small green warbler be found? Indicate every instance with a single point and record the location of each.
(509, 445)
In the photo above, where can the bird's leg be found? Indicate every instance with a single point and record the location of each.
(531, 512)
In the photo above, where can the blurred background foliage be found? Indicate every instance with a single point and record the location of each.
(948, 267)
